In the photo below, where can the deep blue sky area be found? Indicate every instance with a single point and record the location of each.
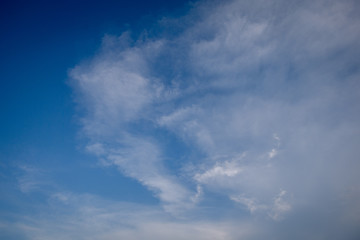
(40, 41)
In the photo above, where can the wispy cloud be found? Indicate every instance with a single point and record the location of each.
(31, 179)
(89, 217)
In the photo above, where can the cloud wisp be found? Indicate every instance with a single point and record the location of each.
(84, 216)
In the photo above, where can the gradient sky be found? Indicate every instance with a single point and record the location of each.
(162, 119)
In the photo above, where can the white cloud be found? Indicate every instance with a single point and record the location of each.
(227, 170)
(221, 86)
(96, 148)
(31, 179)
(251, 203)
(141, 159)
(276, 210)
(272, 153)
(280, 206)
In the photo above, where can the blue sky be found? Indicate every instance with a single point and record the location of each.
(180, 120)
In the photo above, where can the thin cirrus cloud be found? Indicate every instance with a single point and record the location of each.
(260, 97)
(84, 216)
